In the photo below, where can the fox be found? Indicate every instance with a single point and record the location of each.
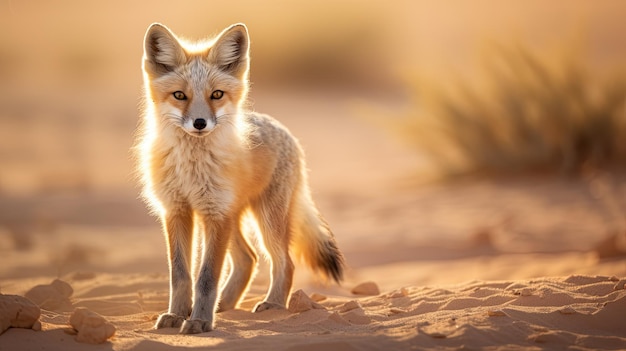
(206, 163)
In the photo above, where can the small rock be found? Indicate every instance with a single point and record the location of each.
(54, 296)
(18, 312)
(300, 302)
(367, 288)
(91, 327)
(620, 285)
(349, 306)
(496, 313)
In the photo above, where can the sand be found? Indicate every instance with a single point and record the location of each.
(581, 312)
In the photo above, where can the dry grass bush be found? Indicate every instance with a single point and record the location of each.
(527, 113)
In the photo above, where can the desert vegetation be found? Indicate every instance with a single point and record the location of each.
(527, 112)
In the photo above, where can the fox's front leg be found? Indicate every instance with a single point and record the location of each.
(178, 226)
(216, 239)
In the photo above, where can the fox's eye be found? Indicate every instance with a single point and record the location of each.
(217, 94)
(179, 95)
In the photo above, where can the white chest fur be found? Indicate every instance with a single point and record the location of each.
(196, 172)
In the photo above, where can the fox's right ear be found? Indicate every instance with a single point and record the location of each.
(162, 50)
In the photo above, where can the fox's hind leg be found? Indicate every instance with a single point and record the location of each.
(273, 221)
(178, 226)
(243, 263)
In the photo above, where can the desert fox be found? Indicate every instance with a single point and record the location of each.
(206, 163)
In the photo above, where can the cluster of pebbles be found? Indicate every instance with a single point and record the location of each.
(24, 311)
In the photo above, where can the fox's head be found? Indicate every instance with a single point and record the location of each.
(200, 86)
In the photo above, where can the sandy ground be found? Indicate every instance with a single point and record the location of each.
(530, 262)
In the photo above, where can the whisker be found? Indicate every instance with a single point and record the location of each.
(223, 119)
(224, 115)
(172, 118)
(172, 115)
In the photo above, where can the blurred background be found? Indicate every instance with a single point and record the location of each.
(527, 97)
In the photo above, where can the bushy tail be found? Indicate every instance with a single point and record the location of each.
(313, 241)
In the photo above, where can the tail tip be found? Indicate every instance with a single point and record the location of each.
(332, 262)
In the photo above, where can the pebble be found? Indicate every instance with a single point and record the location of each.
(18, 312)
(300, 302)
(52, 297)
(91, 327)
(349, 306)
(367, 288)
(496, 313)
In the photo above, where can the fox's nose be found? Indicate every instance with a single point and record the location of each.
(199, 123)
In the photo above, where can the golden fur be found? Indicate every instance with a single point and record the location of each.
(205, 162)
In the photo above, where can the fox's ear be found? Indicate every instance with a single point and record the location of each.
(162, 51)
(231, 50)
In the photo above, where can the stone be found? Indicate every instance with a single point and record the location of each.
(367, 288)
(52, 297)
(18, 312)
(91, 327)
(301, 302)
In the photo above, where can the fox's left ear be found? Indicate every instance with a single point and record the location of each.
(231, 50)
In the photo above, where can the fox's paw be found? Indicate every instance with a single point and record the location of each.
(169, 320)
(266, 305)
(196, 326)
